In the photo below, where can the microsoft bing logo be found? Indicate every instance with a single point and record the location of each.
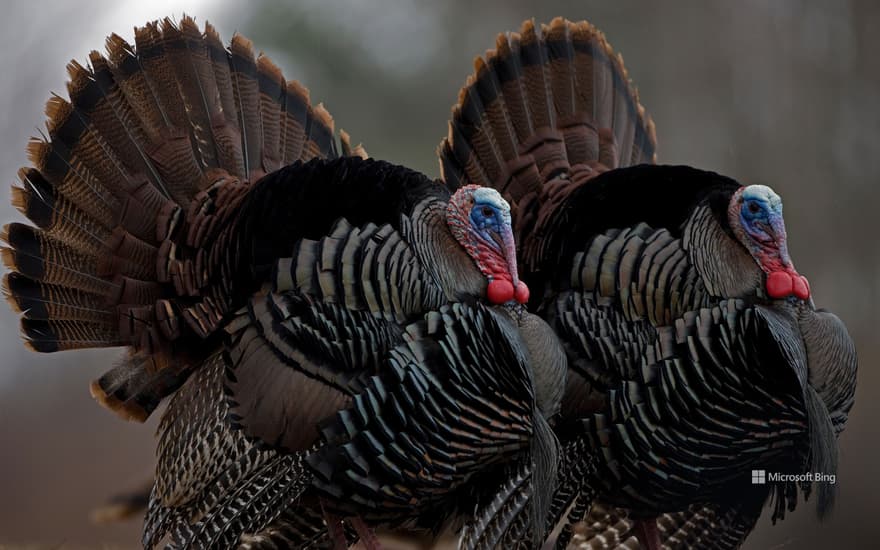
(761, 477)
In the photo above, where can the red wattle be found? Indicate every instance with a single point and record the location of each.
(779, 284)
(801, 287)
(522, 293)
(500, 291)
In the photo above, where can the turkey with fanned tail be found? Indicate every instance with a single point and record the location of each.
(695, 351)
(342, 339)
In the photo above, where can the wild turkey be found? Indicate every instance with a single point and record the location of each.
(343, 337)
(695, 351)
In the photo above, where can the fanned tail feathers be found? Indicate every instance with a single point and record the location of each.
(545, 111)
(157, 142)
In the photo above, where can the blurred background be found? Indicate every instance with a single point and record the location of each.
(784, 93)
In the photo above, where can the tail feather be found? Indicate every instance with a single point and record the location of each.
(125, 72)
(100, 100)
(506, 62)
(348, 150)
(153, 152)
(44, 302)
(57, 215)
(49, 336)
(38, 256)
(271, 103)
(188, 56)
(229, 141)
(534, 58)
(319, 133)
(246, 92)
(543, 113)
(124, 199)
(176, 154)
(467, 123)
(560, 57)
(74, 182)
(138, 383)
(296, 109)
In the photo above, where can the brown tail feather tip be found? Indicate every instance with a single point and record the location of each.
(127, 410)
(117, 49)
(269, 68)
(7, 253)
(211, 32)
(189, 26)
(76, 74)
(349, 151)
(37, 149)
(242, 45)
(323, 116)
(294, 87)
(146, 34)
(58, 111)
(7, 257)
(19, 199)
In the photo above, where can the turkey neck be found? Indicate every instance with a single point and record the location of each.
(726, 268)
(546, 357)
(450, 267)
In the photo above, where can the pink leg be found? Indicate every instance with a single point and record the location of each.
(367, 536)
(648, 534)
(335, 530)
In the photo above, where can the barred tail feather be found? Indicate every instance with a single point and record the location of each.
(136, 385)
(156, 142)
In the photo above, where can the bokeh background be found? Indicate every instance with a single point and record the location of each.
(783, 92)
